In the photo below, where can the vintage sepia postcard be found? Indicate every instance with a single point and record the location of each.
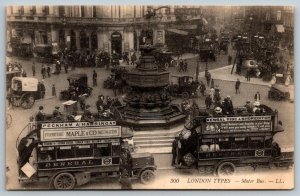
(149, 97)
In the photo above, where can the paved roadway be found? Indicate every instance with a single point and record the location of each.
(21, 117)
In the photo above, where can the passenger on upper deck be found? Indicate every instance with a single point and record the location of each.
(249, 107)
(40, 117)
(56, 115)
(87, 115)
(257, 109)
(217, 111)
(227, 106)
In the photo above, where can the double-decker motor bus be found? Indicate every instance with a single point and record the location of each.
(220, 144)
(69, 154)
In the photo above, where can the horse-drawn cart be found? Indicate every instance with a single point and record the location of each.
(24, 92)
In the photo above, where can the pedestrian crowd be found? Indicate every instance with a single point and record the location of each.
(97, 58)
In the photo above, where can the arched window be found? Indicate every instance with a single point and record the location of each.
(94, 40)
(73, 40)
(84, 40)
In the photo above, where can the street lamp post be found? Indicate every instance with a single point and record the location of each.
(206, 66)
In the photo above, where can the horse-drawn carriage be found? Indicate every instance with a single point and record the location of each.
(207, 50)
(24, 92)
(43, 53)
(185, 87)
(279, 92)
(164, 59)
(224, 43)
(78, 85)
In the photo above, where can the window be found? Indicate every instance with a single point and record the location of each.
(94, 12)
(21, 9)
(46, 154)
(17, 85)
(61, 11)
(116, 149)
(33, 10)
(102, 150)
(46, 10)
(168, 11)
(278, 15)
(256, 142)
(239, 142)
(224, 143)
(45, 38)
(268, 16)
(82, 11)
(65, 152)
(84, 151)
(268, 142)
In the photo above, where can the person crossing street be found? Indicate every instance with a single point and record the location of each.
(43, 72)
(95, 78)
(237, 86)
(33, 69)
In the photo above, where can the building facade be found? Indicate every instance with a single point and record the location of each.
(108, 28)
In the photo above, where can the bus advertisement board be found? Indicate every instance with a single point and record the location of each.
(238, 124)
(80, 133)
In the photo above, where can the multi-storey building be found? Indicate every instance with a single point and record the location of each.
(288, 23)
(109, 28)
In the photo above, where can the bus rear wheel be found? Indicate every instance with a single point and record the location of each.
(226, 169)
(147, 176)
(64, 181)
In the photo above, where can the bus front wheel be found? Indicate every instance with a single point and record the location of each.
(147, 176)
(64, 181)
(226, 169)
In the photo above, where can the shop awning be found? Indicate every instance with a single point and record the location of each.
(280, 28)
(181, 32)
